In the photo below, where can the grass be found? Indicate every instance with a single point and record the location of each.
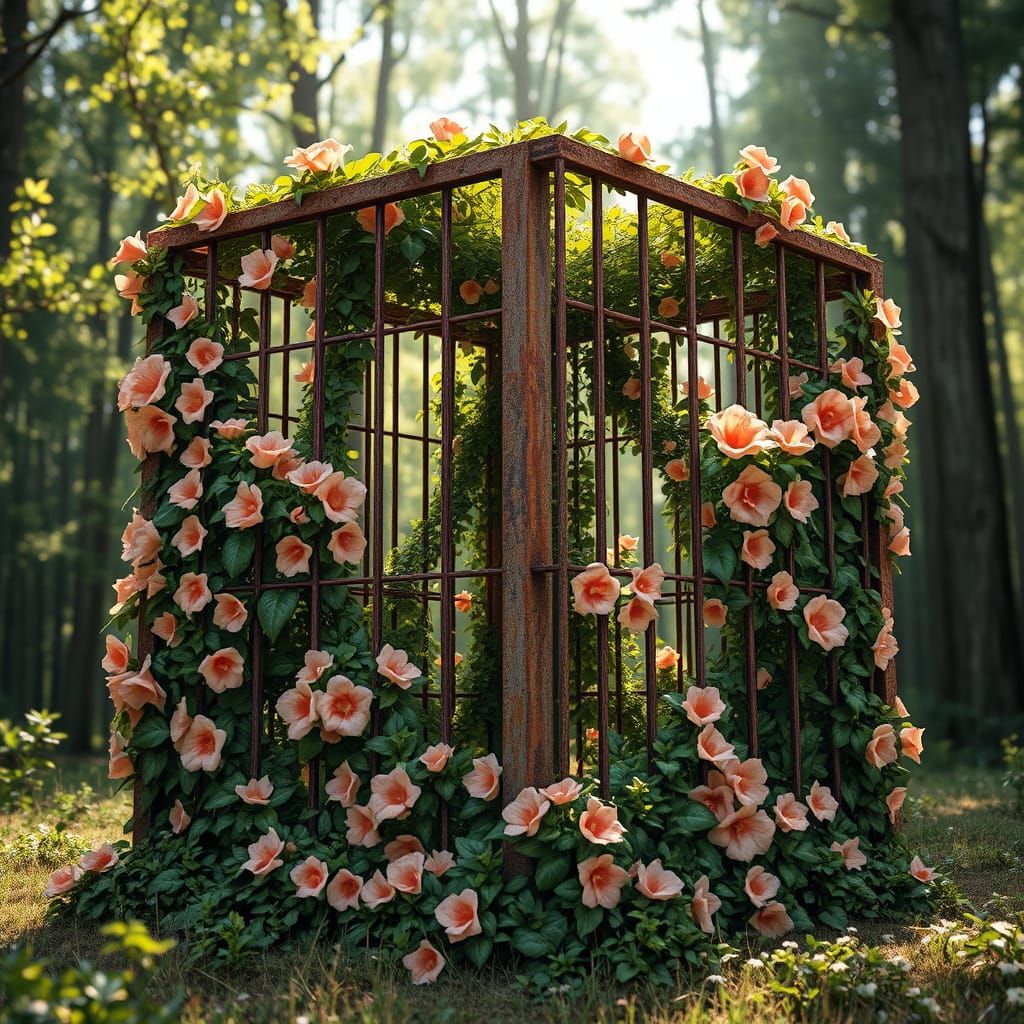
(959, 821)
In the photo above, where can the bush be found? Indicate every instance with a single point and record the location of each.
(23, 757)
(44, 846)
(85, 994)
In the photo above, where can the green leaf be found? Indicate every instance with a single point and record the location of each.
(530, 943)
(237, 552)
(151, 732)
(275, 608)
(550, 871)
(412, 248)
(720, 556)
(693, 817)
(479, 950)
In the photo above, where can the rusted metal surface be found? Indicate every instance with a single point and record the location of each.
(555, 420)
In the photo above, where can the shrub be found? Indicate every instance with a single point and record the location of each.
(23, 757)
(44, 846)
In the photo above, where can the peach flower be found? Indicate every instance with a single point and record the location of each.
(717, 797)
(851, 372)
(309, 877)
(268, 449)
(790, 814)
(885, 647)
(792, 213)
(314, 665)
(292, 556)
(911, 742)
(116, 658)
(258, 269)
(298, 707)
(309, 476)
(201, 746)
(595, 590)
(894, 801)
(186, 492)
(920, 872)
(798, 188)
(264, 854)
(393, 794)
(149, 430)
(362, 827)
(764, 677)
(343, 890)
(165, 626)
(185, 313)
(899, 359)
(760, 886)
(439, 862)
(347, 544)
(394, 215)
(637, 614)
(436, 757)
(245, 509)
(101, 859)
(256, 792)
(835, 227)
(185, 203)
(405, 873)
(799, 500)
(600, 823)
(283, 247)
(61, 881)
(344, 708)
(757, 549)
(707, 515)
(830, 416)
(656, 882)
(738, 432)
(212, 215)
(765, 234)
(634, 147)
(144, 384)
(394, 665)
(772, 920)
(445, 129)
(646, 583)
(320, 157)
(677, 470)
(667, 658)
(703, 705)
(899, 544)
(401, 846)
(752, 497)
(864, 433)
(343, 787)
(563, 792)
(178, 818)
(859, 478)
(747, 780)
(341, 497)
(602, 880)
(796, 384)
(483, 781)
(668, 309)
(140, 541)
(782, 593)
(853, 859)
(119, 764)
(822, 803)
(222, 670)
(230, 613)
(752, 184)
(670, 260)
(181, 722)
(524, 814)
(703, 904)
(715, 612)
(757, 156)
(470, 292)
(712, 745)
(905, 395)
(887, 313)
(377, 891)
(824, 618)
(132, 248)
(744, 834)
(457, 914)
(229, 429)
(791, 436)
(424, 963)
(193, 594)
(197, 454)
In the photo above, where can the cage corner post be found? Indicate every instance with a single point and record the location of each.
(528, 701)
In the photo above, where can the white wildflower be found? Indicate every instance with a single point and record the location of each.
(1015, 996)
(1008, 969)
(868, 990)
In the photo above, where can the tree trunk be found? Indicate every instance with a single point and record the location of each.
(387, 65)
(521, 70)
(305, 88)
(708, 57)
(973, 619)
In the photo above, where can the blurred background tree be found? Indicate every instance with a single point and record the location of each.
(905, 116)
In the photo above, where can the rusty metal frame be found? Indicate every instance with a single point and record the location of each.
(529, 567)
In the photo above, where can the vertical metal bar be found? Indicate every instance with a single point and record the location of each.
(647, 469)
(562, 472)
(614, 559)
(425, 499)
(677, 548)
(527, 684)
(447, 436)
(377, 609)
(601, 525)
(693, 374)
(826, 462)
(286, 337)
(741, 323)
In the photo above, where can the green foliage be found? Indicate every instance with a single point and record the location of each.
(44, 846)
(86, 994)
(1013, 771)
(24, 757)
